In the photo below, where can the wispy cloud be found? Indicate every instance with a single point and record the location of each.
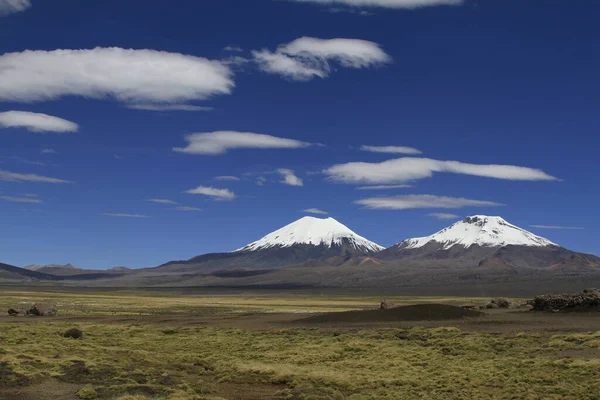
(17, 177)
(13, 6)
(383, 187)
(130, 76)
(36, 122)
(226, 178)
(315, 211)
(443, 216)
(217, 194)
(289, 177)
(261, 180)
(183, 208)
(556, 227)
(307, 57)
(410, 169)
(408, 4)
(422, 201)
(20, 199)
(391, 149)
(48, 151)
(214, 143)
(232, 48)
(162, 201)
(24, 160)
(168, 107)
(126, 215)
(30, 195)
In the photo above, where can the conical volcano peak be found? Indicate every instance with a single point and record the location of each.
(480, 230)
(313, 231)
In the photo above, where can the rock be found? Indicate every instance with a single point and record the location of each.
(12, 312)
(491, 305)
(385, 305)
(73, 333)
(587, 300)
(469, 307)
(42, 310)
(501, 302)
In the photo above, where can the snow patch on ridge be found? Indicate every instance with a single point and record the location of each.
(313, 231)
(480, 230)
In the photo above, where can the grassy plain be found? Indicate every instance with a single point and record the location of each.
(141, 345)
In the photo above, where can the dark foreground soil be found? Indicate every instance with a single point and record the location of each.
(419, 312)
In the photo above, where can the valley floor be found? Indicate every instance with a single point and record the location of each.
(246, 345)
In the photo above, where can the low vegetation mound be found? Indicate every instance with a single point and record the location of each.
(73, 333)
(588, 300)
(419, 312)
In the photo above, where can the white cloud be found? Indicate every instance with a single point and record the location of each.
(289, 177)
(126, 215)
(30, 195)
(130, 76)
(13, 6)
(162, 201)
(422, 201)
(20, 199)
(48, 151)
(443, 216)
(17, 177)
(24, 160)
(217, 194)
(391, 149)
(409, 169)
(408, 4)
(307, 58)
(168, 107)
(213, 143)
(226, 178)
(182, 208)
(383, 187)
(35, 122)
(556, 227)
(315, 211)
(261, 180)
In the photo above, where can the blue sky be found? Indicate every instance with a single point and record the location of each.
(507, 90)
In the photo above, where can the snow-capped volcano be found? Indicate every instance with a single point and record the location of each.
(479, 230)
(316, 232)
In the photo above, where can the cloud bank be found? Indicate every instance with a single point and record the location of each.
(35, 122)
(409, 4)
(289, 177)
(130, 76)
(307, 58)
(217, 194)
(13, 6)
(17, 177)
(391, 149)
(422, 201)
(214, 143)
(410, 169)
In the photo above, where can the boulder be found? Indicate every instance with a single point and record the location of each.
(42, 310)
(73, 333)
(501, 302)
(13, 312)
(385, 305)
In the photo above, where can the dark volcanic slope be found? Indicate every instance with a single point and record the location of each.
(12, 273)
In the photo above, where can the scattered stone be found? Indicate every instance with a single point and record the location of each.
(470, 307)
(73, 333)
(587, 300)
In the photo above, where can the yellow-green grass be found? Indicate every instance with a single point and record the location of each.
(135, 361)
